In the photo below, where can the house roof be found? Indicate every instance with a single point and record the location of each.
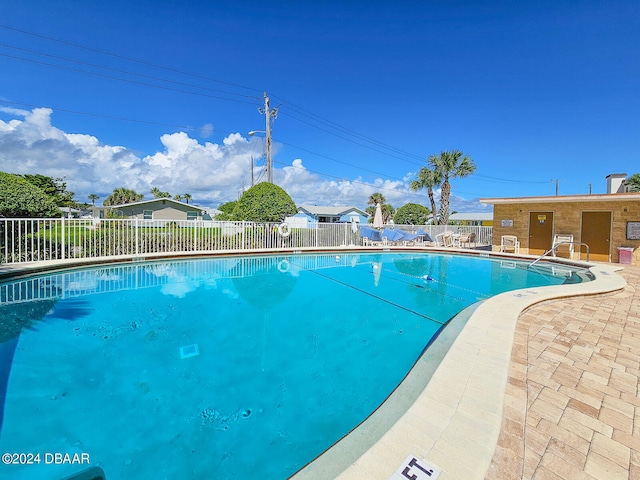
(336, 211)
(153, 200)
(605, 197)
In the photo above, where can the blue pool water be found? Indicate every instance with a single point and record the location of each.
(226, 368)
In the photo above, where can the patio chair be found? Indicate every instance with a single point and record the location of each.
(558, 240)
(509, 243)
(467, 239)
(444, 239)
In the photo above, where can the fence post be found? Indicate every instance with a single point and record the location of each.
(244, 232)
(137, 249)
(63, 240)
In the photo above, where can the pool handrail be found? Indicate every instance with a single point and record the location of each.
(553, 249)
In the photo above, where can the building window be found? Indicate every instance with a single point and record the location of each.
(147, 214)
(192, 215)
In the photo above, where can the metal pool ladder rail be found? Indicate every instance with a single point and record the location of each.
(553, 249)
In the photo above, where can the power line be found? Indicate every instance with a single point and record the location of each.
(297, 109)
(496, 179)
(122, 57)
(123, 79)
(360, 168)
(302, 111)
(356, 182)
(57, 57)
(112, 117)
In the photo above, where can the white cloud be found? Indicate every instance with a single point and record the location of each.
(211, 173)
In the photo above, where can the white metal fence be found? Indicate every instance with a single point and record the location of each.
(32, 240)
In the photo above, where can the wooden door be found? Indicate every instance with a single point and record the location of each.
(596, 232)
(540, 232)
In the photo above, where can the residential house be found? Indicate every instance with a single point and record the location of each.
(321, 214)
(155, 209)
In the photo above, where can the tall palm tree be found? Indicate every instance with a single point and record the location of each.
(187, 197)
(376, 198)
(178, 197)
(428, 179)
(387, 213)
(157, 193)
(121, 196)
(451, 164)
(93, 197)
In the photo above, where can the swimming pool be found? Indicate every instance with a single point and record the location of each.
(202, 368)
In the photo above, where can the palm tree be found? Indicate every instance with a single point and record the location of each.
(93, 197)
(122, 195)
(157, 193)
(428, 179)
(376, 198)
(187, 197)
(451, 164)
(387, 213)
(178, 198)
(634, 182)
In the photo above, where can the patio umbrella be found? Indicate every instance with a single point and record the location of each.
(377, 218)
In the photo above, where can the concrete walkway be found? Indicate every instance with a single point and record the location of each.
(572, 406)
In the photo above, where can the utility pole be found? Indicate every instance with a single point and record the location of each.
(556, 182)
(589, 189)
(269, 114)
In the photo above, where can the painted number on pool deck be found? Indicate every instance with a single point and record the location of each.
(414, 469)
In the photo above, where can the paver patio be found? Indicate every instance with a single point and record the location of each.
(572, 406)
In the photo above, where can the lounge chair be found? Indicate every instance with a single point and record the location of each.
(423, 237)
(408, 238)
(391, 236)
(370, 236)
(509, 243)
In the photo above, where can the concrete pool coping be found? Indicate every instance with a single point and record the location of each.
(455, 421)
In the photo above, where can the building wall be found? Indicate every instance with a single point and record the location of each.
(160, 211)
(567, 219)
(360, 218)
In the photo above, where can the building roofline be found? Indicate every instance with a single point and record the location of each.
(340, 209)
(604, 197)
(141, 202)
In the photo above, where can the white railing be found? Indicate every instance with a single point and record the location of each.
(33, 240)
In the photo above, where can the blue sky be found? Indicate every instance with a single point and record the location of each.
(142, 94)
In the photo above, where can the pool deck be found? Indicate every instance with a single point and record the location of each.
(541, 384)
